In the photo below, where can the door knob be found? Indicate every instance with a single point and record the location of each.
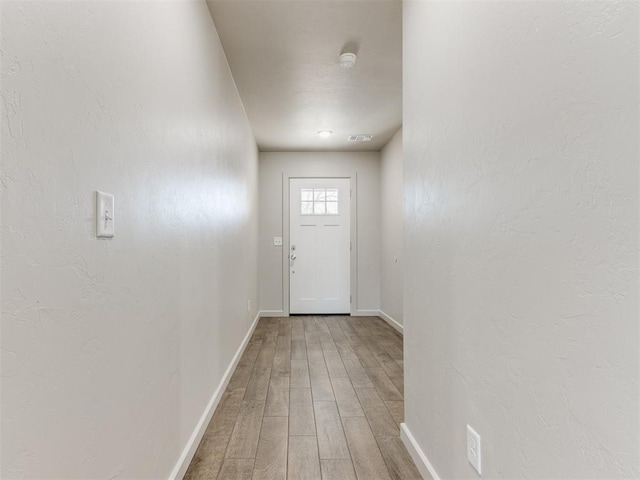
(293, 257)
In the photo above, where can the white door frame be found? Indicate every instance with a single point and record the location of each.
(286, 240)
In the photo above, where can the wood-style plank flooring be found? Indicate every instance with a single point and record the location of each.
(312, 398)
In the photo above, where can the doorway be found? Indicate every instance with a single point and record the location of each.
(319, 246)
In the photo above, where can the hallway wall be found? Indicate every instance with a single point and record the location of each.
(272, 165)
(522, 209)
(391, 231)
(112, 349)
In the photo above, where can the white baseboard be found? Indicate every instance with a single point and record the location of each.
(366, 313)
(272, 313)
(419, 458)
(379, 313)
(391, 321)
(192, 445)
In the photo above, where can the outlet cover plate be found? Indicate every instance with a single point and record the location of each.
(105, 216)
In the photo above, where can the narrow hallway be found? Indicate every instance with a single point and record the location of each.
(312, 397)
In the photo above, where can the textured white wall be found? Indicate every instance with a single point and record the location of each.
(521, 273)
(272, 165)
(111, 349)
(391, 228)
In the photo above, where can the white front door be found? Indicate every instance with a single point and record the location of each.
(319, 245)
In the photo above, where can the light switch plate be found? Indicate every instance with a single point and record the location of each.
(105, 216)
(277, 241)
(474, 452)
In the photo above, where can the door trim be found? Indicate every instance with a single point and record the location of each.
(286, 224)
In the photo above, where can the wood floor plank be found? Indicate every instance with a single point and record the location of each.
(358, 375)
(300, 374)
(298, 349)
(339, 338)
(355, 339)
(304, 462)
(389, 365)
(334, 364)
(384, 385)
(328, 344)
(321, 388)
(258, 385)
(310, 325)
(398, 381)
(346, 398)
(367, 359)
(226, 414)
(236, 469)
(301, 419)
(267, 351)
(246, 432)
(337, 470)
(393, 349)
(396, 409)
(332, 322)
(271, 456)
(346, 326)
(331, 439)
(321, 325)
(369, 397)
(258, 333)
(270, 337)
(373, 344)
(282, 360)
(241, 376)
(297, 328)
(278, 397)
(317, 365)
(347, 353)
(207, 459)
(299, 365)
(381, 422)
(360, 327)
(366, 456)
(251, 353)
(399, 463)
(285, 327)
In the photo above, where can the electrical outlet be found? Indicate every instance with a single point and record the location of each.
(277, 241)
(474, 452)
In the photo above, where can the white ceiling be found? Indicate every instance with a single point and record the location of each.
(284, 58)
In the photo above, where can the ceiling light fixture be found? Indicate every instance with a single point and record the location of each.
(325, 133)
(347, 60)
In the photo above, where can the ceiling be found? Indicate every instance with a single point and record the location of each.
(284, 59)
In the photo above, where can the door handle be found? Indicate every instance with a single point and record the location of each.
(293, 257)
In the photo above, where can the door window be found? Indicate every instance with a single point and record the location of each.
(319, 201)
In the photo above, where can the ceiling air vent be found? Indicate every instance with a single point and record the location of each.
(360, 138)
